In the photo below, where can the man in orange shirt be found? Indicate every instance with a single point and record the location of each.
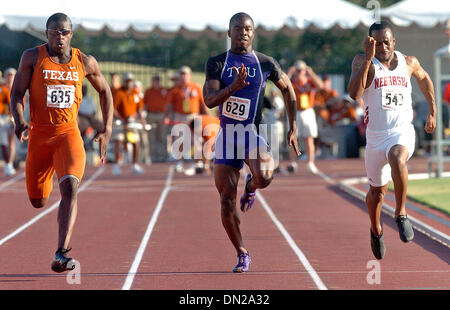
(155, 104)
(115, 82)
(184, 102)
(322, 98)
(7, 140)
(305, 83)
(54, 74)
(128, 105)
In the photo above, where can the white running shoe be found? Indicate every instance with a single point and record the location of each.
(9, 170)
(179, 167)
(116, 170)
(190, 171)
(136, 169)
(312, 167)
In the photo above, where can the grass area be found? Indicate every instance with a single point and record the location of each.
(434, 193)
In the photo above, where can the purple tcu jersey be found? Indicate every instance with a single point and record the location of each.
(245, 105)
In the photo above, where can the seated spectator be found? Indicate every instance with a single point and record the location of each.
(342, 112)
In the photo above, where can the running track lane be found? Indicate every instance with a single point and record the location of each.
(189, 248)
(112, 213)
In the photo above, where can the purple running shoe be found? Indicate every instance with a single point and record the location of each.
(247, 198)
(244, 261)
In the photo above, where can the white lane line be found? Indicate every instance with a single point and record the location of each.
(140, 253)
(11, 181)
(313, 274)
(50, 209)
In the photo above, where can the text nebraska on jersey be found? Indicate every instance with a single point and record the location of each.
(60, 75)
(391, 81)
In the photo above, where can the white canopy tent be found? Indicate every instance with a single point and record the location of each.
(424, 13)
(144, 16)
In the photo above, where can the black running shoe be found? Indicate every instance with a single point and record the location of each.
(405, 229)
(377, 244)
(62, 263)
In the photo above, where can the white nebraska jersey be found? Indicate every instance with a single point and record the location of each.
(387, 102)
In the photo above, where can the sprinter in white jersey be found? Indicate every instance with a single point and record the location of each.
(381, 77)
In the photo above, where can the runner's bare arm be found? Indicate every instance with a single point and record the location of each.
(285, 86)
(98, 81)
(203, 109)
(427, 89)
(214, 96)
(362, 70)
(21, 83)
(361, 76)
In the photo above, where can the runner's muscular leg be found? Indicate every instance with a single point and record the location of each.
(226, 179)
(67, 211)
(374, 202)
(310, 149)
(39, 202)
(397, 157)
(261, 168)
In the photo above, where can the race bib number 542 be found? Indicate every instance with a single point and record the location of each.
(392, 100)
(60, 96)
(236, 108)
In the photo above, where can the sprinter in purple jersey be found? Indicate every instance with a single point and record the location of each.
(235, 82)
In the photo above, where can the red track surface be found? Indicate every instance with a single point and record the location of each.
(188, 248)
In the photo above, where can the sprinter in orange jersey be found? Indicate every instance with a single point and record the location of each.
(54, 73)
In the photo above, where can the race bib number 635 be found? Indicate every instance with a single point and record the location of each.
(236, 108)
(60, 96)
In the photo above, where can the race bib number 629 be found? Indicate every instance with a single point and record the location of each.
(236, 108)
(60, 96)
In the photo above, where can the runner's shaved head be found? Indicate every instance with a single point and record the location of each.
(58, 17)
(239, 16)
(380, 26)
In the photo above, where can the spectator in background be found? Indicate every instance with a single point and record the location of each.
(7, 138)
(204, 129)
(86, 117)
(115, 82)
(184, 103)
(273, 117)
(127, 108)
(340, 132)
(446, 97)
(446, 106)
(143, 134)
(175, 79)
(325, 94)
(342, 112)
(305, 83)
(323, 99)
(155, 105)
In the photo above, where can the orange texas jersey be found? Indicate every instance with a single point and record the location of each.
(55, 89)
